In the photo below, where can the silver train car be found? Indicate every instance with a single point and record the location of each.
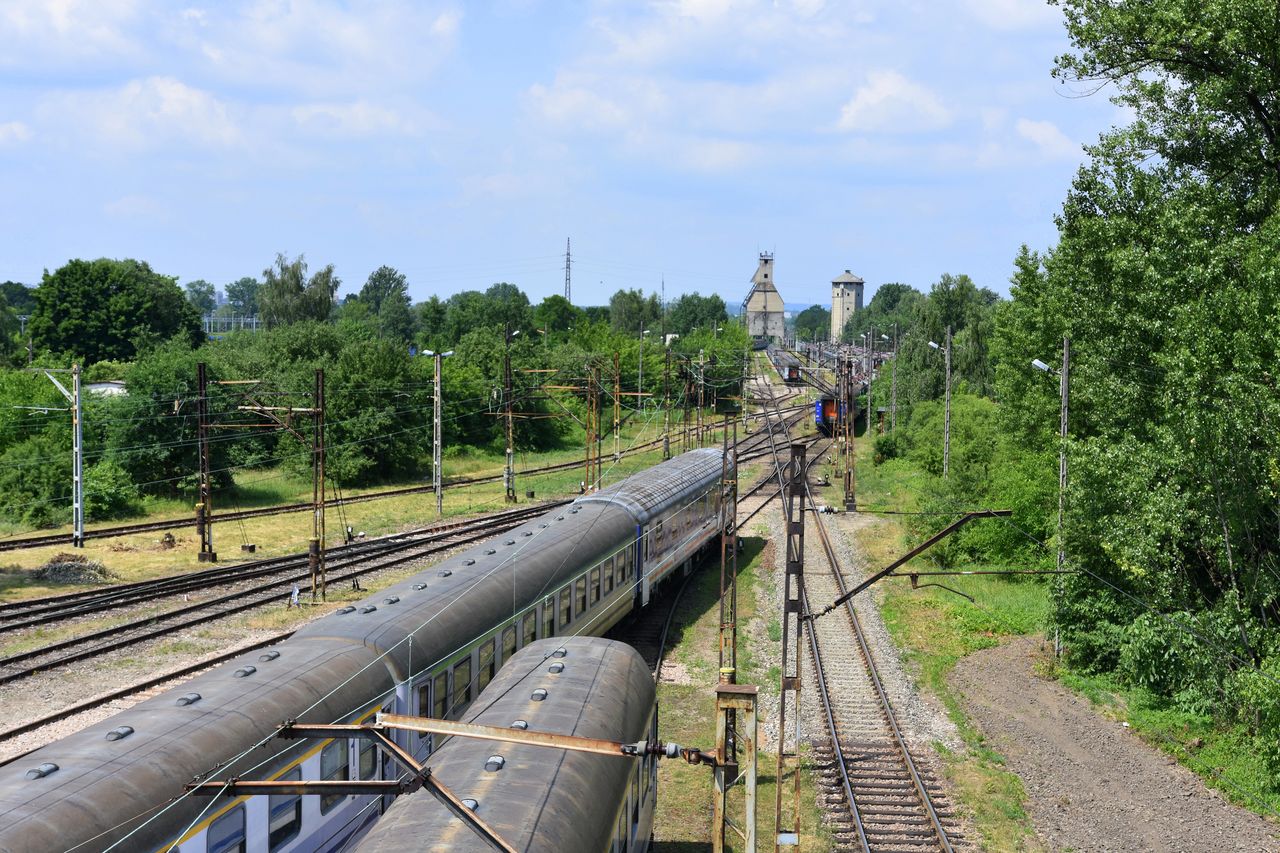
(425, 646)
(538, 799)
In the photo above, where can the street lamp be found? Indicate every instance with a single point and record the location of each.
(1064, 392)
(436, 477)
(946, 418)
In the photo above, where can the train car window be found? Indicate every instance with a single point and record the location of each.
(441, 706)
(485, 674)
(226, 834)
(620, 832)
(566, 608)
(424, 705)
(529, 630)
(580, 596)
(635, 800)
(620, 568)
(659, 536)
(606, 571)
(335, 763)
(368, 764)
(284, 814)
(461, 684)
(594, 587)
(549, 618)
(509, 642)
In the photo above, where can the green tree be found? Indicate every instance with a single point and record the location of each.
(242, 295)
(556, 316)
(386, 292)
(630, 311)
(288, 296)
(813, 323)
(692, 311)
(202, 295)
(21, 298)
(108, 309)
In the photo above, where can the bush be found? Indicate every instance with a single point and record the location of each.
(109, 492)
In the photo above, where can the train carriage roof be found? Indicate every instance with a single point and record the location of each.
(655, 490)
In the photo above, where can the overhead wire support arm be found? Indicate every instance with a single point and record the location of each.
(910, 555)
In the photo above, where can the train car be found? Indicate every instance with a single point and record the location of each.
(826, 415)
(788, 366)
(424, 646)
(537, 798)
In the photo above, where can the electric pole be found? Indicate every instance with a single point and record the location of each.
(509, 474)
(316, 556)
(568, 264)
(871, 375)
(893, 404)
(1064, 390)
(204, 506)
(946, 418)
(666, 401)
(849, 416)
(437, 476)
(617, 406)
(77, 447)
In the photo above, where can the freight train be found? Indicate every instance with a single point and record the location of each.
(425, 646)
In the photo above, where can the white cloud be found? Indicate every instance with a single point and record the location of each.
(144, 113)
(1046, 136)
(45, 32)
(1006, 15)
(359, 118)
(890, 103)
(14, 131)
(135, 207)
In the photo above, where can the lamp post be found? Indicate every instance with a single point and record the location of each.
(437, 481)
(946, 418)
(893, 382)
(1064, 392)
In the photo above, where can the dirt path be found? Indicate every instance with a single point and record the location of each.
(1092, 784)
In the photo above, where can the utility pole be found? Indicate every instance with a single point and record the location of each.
(1064, 390)
(316, 556)
(437, 475)
(568, 264)
(848, 417)
(871, 375)
(793, 613)
(591, 481)
(509, 473)
(204, 506)
(946, 418)
(702, 373)
(617, 406)
(666, 401)
(77, 447)
(893, 404)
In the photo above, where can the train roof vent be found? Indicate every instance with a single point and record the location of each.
(489, 552)
(244, 671)
(530, 532)
(188, 699)
(120, 733)
(391, 599)
(522, 725)
(468, 562)
(573, 511)
(348, 609)
(42, 771)
(470, 803)
(556, 668)
(560, 652)
(369, 609)
(495, 763)
(271, 655)
(419, 586)
(444, 573)
(559, 518)
(509, 542)
(543, 525)
(539, 694)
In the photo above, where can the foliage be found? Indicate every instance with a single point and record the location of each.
(387, 297)
(109, 492)
(107, 309)
(202, 295)
(892, 304)
(955, 303)
(18, 296)
(691, 311)
(35, 481)
(287, 295)
(813, 323)
(242, 295)
(630, 311)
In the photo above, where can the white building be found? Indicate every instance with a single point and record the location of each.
(763, 306)
(846, 300)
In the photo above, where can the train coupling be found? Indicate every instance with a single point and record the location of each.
(692, 755)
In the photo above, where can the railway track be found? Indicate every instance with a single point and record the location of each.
(114, 531)
(877, 797)
(349, 567)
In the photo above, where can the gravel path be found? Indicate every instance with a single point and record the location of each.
(1092, 784)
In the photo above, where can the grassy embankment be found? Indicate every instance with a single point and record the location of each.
(142, 556)
(936, 629)
(688, 710)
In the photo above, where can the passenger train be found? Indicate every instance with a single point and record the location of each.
(538, 798)
(788, 366)
(425, 646)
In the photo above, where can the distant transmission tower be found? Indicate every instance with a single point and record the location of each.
(568, 264)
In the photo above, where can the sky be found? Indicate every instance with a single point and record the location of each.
(463, 143)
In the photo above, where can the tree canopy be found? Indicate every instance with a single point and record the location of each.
(109, 309)
(288, 296)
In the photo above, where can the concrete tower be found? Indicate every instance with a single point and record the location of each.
(846, 300)
(763, 305)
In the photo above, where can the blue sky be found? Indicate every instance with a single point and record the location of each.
(463, 142)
